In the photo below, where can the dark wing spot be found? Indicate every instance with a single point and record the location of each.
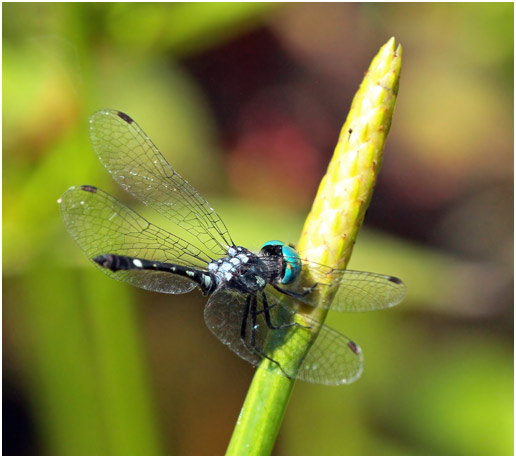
(395, 280)
(353, 347)
(125, 117)
(89, 188)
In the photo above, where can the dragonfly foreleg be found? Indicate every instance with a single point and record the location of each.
(294, 294)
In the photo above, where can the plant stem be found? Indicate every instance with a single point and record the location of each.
(328, 236)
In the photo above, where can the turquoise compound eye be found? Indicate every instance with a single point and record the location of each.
(292, 264)
(273, 243)
(291, 260)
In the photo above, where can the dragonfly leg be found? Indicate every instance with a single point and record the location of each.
(296, 295)
(244, 319)
(266, 312)
(251, 309)
(269, 308)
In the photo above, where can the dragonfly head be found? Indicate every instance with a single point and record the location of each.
(291, 262)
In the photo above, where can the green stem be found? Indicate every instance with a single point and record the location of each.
(328, 238)
(261, 414)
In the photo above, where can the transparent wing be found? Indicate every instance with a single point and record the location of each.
(139, 167)
(332, 359)
(223, 315)
(357, 291)
(100, 224)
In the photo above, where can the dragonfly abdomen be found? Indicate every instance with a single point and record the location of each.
(207, 281)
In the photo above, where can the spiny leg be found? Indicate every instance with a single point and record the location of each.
(244, 319)
(243, 328)
(266, 311)
(254, 347)
(294, 294)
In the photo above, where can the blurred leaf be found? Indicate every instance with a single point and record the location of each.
(60, 375)
(87, 376)
(185, 27)
(39, 99)
(445, 405)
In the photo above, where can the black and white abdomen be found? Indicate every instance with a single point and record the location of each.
(207, 281)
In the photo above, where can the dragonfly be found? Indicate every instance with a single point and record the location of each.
(254, 298)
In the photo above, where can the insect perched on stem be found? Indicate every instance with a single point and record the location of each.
(251, 295)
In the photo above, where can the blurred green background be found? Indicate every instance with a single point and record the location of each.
(246, 101)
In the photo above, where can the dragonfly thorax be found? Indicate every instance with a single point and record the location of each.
(242, 270)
